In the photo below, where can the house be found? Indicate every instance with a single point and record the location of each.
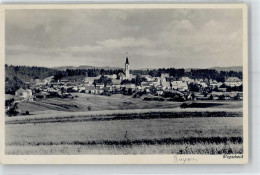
(180, 85)
(203, 84)
(215, 96)
(47, 80)
(145, 85)
(147, 77)
(81, 88)
(98, 90)
(100, 85)
(227, 97)
(113, 76)
(90, 80)
(154, 83)
(116, 83)
(177, 81)
(185, 79)
(166, 85)
(222, 89)
(108, 88)
(233, 81)
(171, 79)
(130, 86)
(64, 80)
(183, 86)
(159, 92)
(75, 88)
(240, 96)
(174, 85)
(214, 84)
(24, 93)
(90, 89)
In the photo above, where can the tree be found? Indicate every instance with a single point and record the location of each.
(13, 110)
(194, 87)
(130, 91)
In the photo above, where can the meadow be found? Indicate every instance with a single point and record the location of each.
(101, 103)
(161, 133)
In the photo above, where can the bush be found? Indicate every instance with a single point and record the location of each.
(184, 105)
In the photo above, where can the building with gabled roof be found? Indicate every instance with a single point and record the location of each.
(24, 93)
(233, 81)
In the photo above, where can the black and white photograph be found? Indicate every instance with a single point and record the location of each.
(126, 80)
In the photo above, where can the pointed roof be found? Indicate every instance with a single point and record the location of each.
(127, 62)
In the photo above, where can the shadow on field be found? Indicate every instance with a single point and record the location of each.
(190, 141)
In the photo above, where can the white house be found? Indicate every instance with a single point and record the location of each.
(233, 81)
(24, 93)
(90, 89)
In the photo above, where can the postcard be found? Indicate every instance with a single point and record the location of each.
(124, 84)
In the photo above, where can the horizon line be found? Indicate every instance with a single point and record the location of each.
(100, 67)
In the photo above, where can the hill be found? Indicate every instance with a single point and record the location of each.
(231, 68)
(63, 68)
(16, 76)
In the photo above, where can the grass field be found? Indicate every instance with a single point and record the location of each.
(100, 103)
(159, 134)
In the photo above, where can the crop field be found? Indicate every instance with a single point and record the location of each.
(160, 131)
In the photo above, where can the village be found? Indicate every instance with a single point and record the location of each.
(175, 88)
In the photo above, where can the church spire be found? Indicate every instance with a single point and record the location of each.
(127, 68)
(126, 62)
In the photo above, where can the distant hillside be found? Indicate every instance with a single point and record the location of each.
(231, 68)
(86, 67)
(63, 68)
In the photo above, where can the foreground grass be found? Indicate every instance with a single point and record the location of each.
(199, 135)
(228, 148)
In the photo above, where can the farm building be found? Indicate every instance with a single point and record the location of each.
(24, 93)
(90, 89)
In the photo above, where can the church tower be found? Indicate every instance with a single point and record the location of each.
(127, 73)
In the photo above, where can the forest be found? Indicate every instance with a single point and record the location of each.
(16, 76)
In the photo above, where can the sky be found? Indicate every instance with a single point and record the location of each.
(152, 38)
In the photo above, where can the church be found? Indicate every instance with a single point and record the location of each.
(126, 74)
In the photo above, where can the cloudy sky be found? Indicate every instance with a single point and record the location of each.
(180, 38)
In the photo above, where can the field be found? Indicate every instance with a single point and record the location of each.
(124, 125)
(100, 103)
(155, 131)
